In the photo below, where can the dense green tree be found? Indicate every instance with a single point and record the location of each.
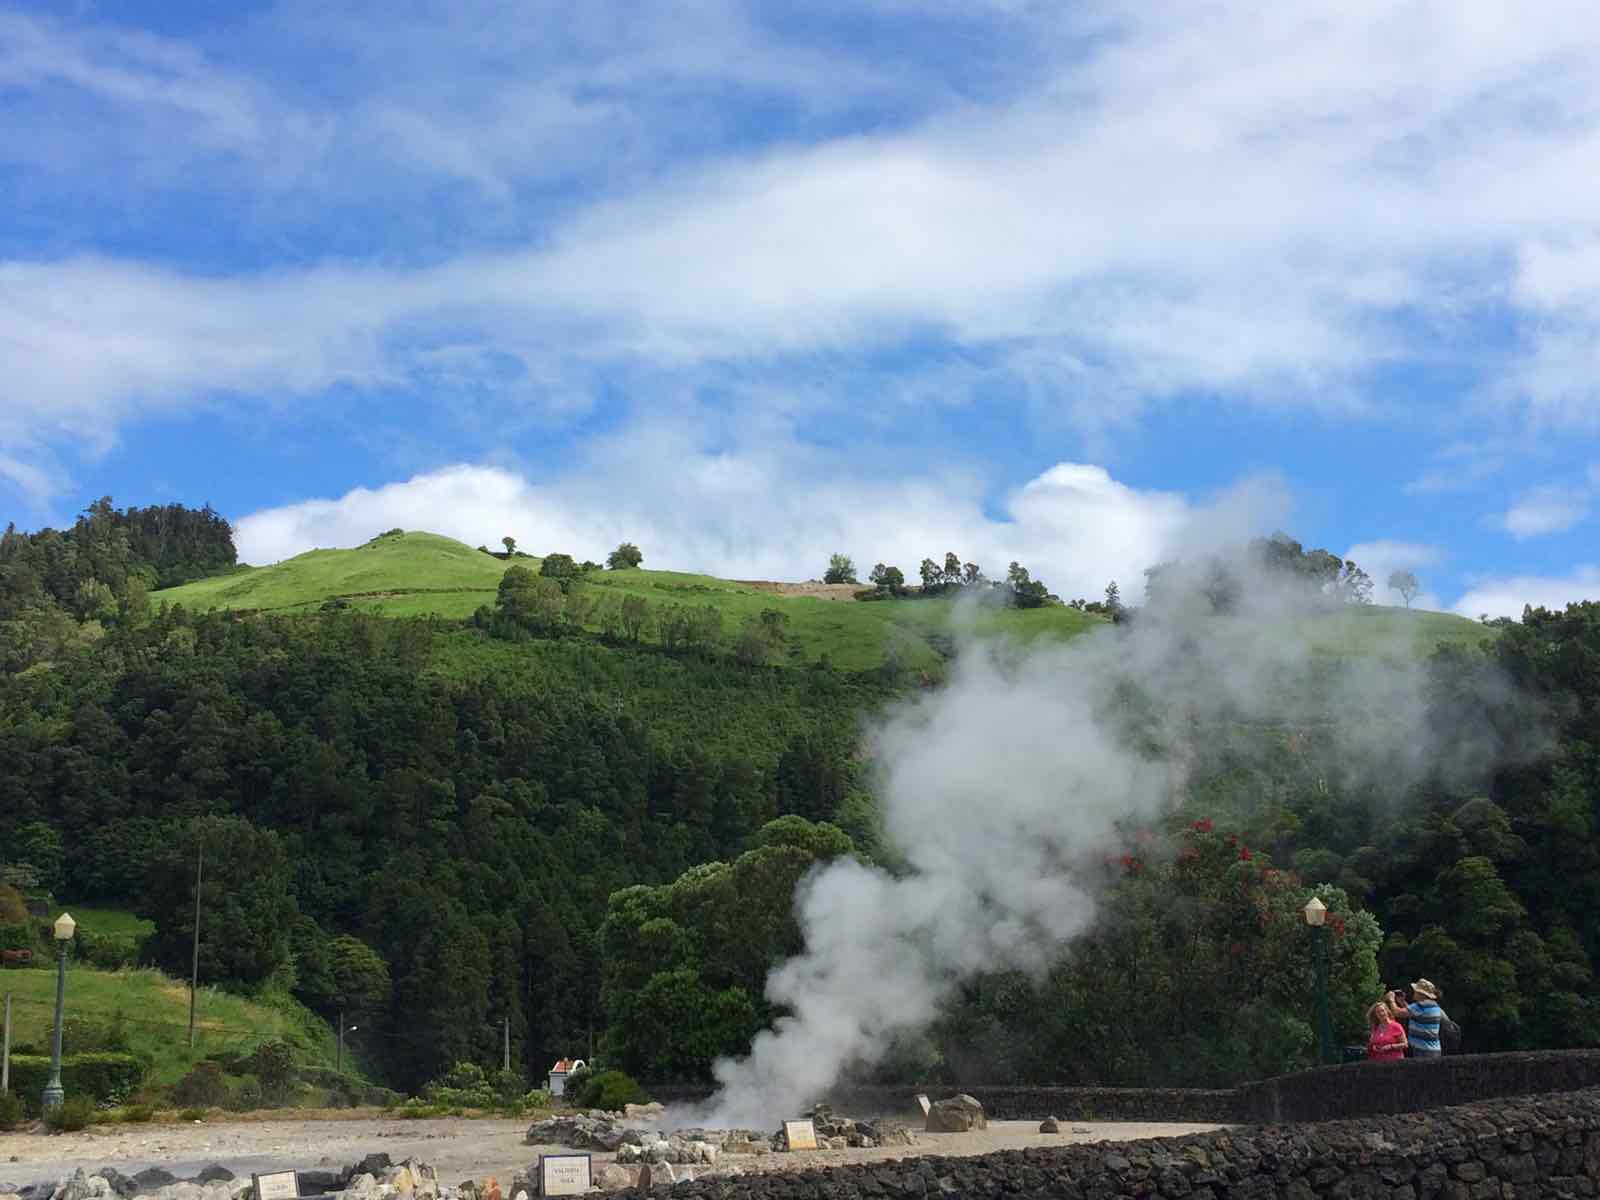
(625, 556)
(840, 570)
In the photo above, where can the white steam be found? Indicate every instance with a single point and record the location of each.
(1001, 787)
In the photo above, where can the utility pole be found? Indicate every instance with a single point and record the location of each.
(194, 974)
(5, 1052)
(338, 1062)
(506, 1058)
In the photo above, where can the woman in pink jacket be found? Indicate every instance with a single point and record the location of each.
(1387, 1038)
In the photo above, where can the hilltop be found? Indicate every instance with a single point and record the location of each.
(405, 574)
(416, 574)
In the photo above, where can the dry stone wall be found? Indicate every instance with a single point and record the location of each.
(1532, 1148)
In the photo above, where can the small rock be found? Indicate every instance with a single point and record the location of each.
(1049, 1125)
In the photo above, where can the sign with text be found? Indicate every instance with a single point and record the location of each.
(922, 1103)
(564, 1174)
(279, 1185)
(801, 1135)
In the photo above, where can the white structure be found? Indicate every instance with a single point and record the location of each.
(559, 1073)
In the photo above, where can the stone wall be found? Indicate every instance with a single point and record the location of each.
(1531, 1148)
(1326, 1093)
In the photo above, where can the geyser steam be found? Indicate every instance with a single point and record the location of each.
(1002, 786)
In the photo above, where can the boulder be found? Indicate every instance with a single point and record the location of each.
(611, 1177)
(1049, 1125)
(958, 1114)
(120, 1183)
(593, 1132)
(372, 1164)
(83, 1186)
(651, 1112)
(151, 1178)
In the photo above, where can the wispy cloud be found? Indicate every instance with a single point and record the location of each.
(1148, 206)
(1544, 510)
(1505, 595)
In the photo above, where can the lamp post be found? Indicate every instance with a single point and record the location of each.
(343, 1029)
(1316, 913)
(53, 1095)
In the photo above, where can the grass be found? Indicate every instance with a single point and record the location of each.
(153, 1012)
(107, 921)
(420, 574)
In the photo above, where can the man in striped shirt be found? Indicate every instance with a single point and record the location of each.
(1425, 1014)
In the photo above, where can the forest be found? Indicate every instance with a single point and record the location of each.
(444, 824)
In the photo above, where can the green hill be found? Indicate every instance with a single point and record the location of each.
(149, 1013)
(415, 574)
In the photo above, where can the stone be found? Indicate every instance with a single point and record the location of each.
(595, 1132)
(611, 1177)
(958, 1114)
(152, 1178)
(1469, 1172)
(215, 1173)
(650, 1112)
(490, 1189)
(373, 1164)
(120, 1183)
(1049, 1125)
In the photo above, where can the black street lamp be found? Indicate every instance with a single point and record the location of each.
(53, 1094)
(1316, 916)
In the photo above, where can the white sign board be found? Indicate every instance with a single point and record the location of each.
(564, 1174)
(922, 1102)
(280, 1185)
(801, 1135)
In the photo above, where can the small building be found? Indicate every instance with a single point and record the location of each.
(559, 1073)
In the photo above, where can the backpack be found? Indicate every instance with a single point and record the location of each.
(1449, 1035)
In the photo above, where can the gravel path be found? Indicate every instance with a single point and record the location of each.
(458, 1149)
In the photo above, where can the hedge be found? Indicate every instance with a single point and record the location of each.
(104, 1076)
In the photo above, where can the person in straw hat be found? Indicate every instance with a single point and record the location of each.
(1425, 1016)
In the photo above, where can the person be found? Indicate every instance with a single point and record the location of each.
(1386, 1038)
(1425, 1015)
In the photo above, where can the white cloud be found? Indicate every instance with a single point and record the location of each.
(1504, 596)
(776, 513)
(1381, 558)
(1544, 510)
(1167, 200)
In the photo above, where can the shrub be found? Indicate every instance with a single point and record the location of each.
(537, 1098)
(245, 1096)
(273, 1065)
(137, 1114)
(75, 1113)
(611, 1090)
(193, 1114)
(202, 1087)
(109, 951)
(101, 1076)
(464, 1085)
(11, 1113)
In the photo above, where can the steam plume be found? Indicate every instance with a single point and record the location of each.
(1002, 786)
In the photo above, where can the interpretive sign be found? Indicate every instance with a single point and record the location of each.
(279, 1185)
(564, 1174)
(922, 1103)
(801, 1135)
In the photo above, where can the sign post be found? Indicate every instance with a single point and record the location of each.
(279, 1185)
(565, 1174)
(801, 1135)
(922, 1103)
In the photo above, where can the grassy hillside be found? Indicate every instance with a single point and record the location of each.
(152, 1012)
(414, 574)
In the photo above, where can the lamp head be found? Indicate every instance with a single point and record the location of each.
(1316, 912)
(65, 927)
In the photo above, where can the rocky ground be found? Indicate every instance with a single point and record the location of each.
(456, 1150)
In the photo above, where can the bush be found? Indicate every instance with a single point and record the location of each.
(465, 1085)
(11, 1113)
(245, 1096)
(202, 1087)
(75, 1113)
(109, 951)
(611, 1090)
(273, 1065)
(137, 1114)
(537, 1098)
(193, 1114)
(103, 1077)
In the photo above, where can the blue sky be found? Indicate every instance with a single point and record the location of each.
(1081, 285)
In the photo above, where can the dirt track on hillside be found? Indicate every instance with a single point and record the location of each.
(457, 1148)
(822, 591)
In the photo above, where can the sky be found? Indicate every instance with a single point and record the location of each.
(1082, 285)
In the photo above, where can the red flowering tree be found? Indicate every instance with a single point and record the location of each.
(1199, 973)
